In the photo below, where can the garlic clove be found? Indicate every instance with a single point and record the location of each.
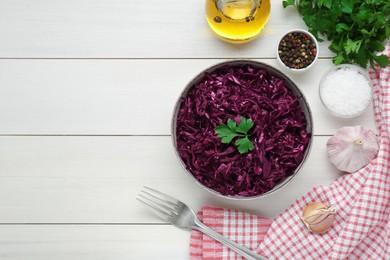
(318, 217)
(324, 225)
(352, 148)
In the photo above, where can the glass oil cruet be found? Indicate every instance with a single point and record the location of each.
(237, 21)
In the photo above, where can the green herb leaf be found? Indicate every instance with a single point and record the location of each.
(347, 6)
(244, 145)
(361, 17)
(227, 132)
(340, 27)
(245, 125)
(326, 3)
(310, 18)
(231, 124)
(382, 60)
(288, 3)
(335, 47)
(362, 59)
(338, 59)
(377, 45)
(352, 46)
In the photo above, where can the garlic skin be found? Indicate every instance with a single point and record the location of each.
(351, 148)
(318, 217)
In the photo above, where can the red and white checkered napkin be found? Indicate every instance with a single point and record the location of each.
(244, 228)
(362, 226)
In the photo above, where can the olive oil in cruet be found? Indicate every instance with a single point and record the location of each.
(237, 21)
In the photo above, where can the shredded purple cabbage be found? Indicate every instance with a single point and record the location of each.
(279, 134)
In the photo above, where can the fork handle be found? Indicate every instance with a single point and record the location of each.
(239, 249)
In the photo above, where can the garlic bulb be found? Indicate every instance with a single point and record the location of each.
(352, 148)
(318, 217)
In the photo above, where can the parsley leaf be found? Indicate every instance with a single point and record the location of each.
(326, 3)
(362, 59)
(341, 26)
(227, 132)
(382, 60)
(288, 2)
(347, 6)
(244, 145)
(231, 124)
(338, 59)
(245, 125)
(352, 46)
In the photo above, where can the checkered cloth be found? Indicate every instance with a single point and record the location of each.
(362, 226)
(227, 222)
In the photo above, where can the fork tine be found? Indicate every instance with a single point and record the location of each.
(156, 210)
(167, 205)
(167, 197)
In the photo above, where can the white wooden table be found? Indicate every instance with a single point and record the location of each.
(87, 90)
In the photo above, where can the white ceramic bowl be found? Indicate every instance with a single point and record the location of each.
(284, 66)
(344, 67)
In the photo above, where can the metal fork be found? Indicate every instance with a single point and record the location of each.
(180, 215)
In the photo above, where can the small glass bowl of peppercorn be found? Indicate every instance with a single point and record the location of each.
(297, 50)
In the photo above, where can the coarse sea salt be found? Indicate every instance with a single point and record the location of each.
(346, 91)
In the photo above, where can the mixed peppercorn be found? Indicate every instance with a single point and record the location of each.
(297, 50)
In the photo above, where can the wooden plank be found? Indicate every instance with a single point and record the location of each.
(96, 180)
(128, 29)
(87, 242)
(119, 97)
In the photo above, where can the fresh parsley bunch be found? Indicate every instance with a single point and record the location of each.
(356, 28)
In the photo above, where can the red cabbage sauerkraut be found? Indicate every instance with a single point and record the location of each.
(279, 135)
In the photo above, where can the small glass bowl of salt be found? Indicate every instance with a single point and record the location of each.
(346, 91)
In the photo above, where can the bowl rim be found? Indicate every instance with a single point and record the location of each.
(349, 66)
(238, 62)
(315, 58)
